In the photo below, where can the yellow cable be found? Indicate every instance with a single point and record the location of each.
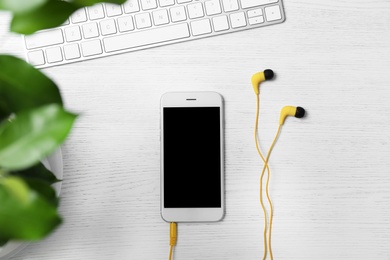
(267, 191)
(170, 252)
(261, 177)
(173, 238)
(266, 166)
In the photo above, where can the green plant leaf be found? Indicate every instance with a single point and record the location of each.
(3, 241)
(52, 14)
(38, 178)
(92, 2)
(37, 172)
(4, 111)
(44, 189)
(24, 213)
(24, 87)
(32, 135)
(20, 6)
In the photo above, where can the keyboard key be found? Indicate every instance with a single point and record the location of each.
(36, 58)
(147, 37)
(54, 54)
(212, 7)
(201, 27)
(95, 12)
(107, 27)
(220, 23)
(148, 4)
(160, 17)
(125, 23)
(91, 48)
(71, 51)
(164, 3)
(195, 10)
(230, 5)
(256, 20)
(183, 1)
(113, 10)
(90, 30)
(178, 14)
(79, 16)
(273, 13)
(143, 20)
(45, 38)
(253, 3)
(131, 6)
(255, 12)
(238, 20)
(72, 33)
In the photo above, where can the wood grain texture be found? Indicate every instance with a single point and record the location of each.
(330, 172)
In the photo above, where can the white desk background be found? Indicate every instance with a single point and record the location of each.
(330, 171)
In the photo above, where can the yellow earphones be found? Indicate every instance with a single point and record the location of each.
(297, 112)
(260, 77)
(257, 79)
(286, 111)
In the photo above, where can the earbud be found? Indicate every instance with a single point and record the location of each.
(260, 77)
(298, 112)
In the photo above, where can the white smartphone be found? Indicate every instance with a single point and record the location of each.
(192, 157)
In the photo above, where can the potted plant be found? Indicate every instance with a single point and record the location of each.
(33, 124)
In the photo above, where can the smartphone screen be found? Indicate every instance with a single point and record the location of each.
(192, 157)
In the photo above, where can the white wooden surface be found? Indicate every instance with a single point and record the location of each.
(330, 171)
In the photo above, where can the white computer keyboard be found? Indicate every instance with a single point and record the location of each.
(107, 29)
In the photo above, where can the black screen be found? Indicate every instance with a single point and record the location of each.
(192, 157)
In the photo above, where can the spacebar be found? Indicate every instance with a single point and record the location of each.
(147, 37)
